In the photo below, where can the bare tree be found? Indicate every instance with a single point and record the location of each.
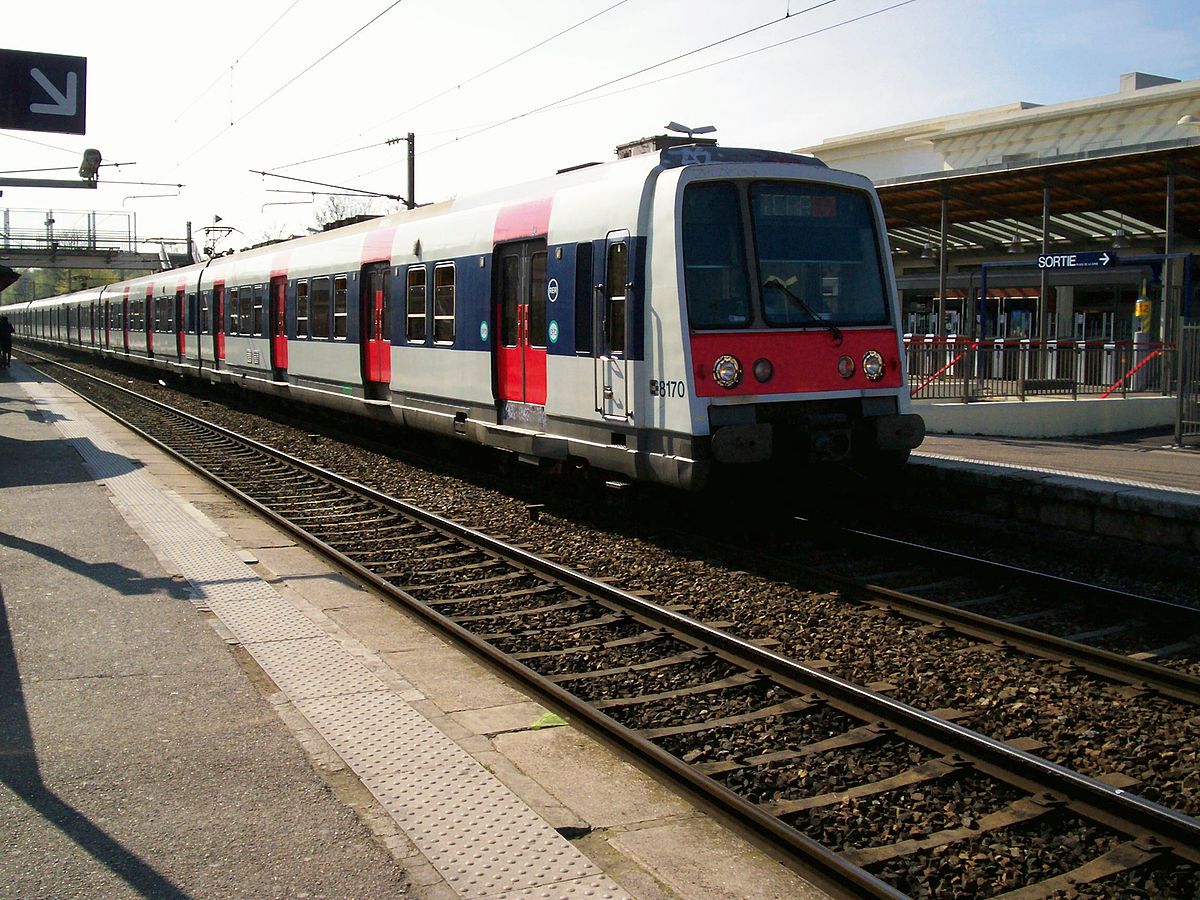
(336, 208)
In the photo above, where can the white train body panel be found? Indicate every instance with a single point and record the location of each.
(656, 317)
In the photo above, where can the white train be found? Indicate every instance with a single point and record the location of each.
(652, 317)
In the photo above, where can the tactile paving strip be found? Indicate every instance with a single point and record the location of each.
(482, 839)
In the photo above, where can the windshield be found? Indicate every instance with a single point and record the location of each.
(816, 258)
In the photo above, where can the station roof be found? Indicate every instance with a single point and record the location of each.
(1094, 196)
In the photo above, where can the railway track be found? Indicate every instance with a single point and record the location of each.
(997, 603)
(880, 797)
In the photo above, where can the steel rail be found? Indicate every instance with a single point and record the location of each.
(1169, 682)
(833, 872)
(1113, 807)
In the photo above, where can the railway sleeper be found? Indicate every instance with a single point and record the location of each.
(476, 598)
(1121, 858)
(570, 604)
(787, 707)
(605, 621)
(739, 680)
(931, 770)
(677, 659)
(1027, 809)
(655, 635)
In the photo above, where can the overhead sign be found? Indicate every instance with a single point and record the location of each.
(43, 92)
(1076, 260)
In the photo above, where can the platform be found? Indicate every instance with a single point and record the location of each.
(191, 704)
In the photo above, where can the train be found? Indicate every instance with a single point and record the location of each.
(683, 312)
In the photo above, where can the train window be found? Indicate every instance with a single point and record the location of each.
(233, 311)
(443, 303)
(818, 257)
(302, 309)
(339, 308)
(318, 308)
(218, 307)
(583, 298)
(256, 312)
(614, 317)
(414, 330)
(714, 257)
(246, 309)
(537, 300)
(510, 306)
(205, 326)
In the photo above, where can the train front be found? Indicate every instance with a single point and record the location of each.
(791, 337)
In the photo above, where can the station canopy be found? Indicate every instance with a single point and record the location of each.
(1098, 200)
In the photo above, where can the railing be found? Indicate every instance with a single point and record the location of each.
(40, 229)
(967, 369)
(1187, 417)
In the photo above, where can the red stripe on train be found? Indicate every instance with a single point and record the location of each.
(804, 361)
(523, 220)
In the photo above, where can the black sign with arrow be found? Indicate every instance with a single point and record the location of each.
(43, 92)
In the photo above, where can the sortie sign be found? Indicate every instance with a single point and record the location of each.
(43, 92)
(1076, 260)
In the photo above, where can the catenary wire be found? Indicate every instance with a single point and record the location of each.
(565, 100)
(448, 90)
(237, 59)
(293, 79)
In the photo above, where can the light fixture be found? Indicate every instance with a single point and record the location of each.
(927, 252)
(1014, 246)
(90, 165)
(872, 365)
(1119, 236)
(727, 371)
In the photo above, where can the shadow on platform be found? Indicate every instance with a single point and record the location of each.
(20, 773)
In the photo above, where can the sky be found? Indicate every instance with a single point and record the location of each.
(191, 98)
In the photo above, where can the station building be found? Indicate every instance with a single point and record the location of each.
(1081, 218)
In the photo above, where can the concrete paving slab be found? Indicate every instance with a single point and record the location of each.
(492, 720)
(450, 681)
(709, 862)
(605, 791)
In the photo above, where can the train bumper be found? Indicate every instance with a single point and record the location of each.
(896, 432)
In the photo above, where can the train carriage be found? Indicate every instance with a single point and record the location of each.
(654, 317)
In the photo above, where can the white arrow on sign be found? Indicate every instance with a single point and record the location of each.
(1104, 257)
(64, 103)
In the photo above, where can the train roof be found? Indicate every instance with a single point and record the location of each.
(630, 173)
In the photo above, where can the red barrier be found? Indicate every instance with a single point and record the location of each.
(1132, 371)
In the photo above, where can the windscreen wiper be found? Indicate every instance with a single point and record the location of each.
(774, 281)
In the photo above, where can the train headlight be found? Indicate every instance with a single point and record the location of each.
(763, 370)
(727, 371)
(872, 364)
(845, 366)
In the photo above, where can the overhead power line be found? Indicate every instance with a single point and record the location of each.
(498, 65)
(644, 69)
(237, 59)
(735, 57)
(295, 78)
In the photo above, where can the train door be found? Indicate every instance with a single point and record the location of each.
(107, 325)
(181, 326)
(218, 323)
(612, 381)
(376, 330)
(125, 323)
(520, 312)
(277, 327)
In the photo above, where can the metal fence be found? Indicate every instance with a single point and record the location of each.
(67, 229)
(1187, 418)
(966, 369)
